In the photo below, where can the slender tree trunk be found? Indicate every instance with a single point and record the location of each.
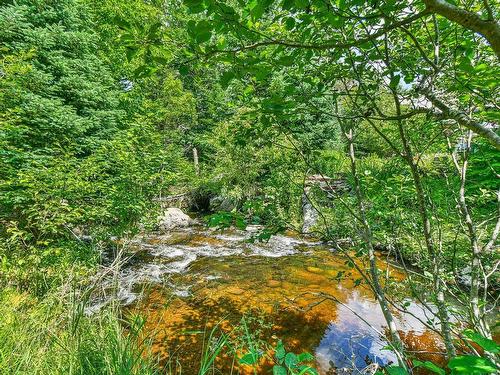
(368, 238)
(195, 160)
(476, 309)
(424, 215)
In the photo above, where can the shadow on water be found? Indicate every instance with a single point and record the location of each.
(207, 280)
(181, 331)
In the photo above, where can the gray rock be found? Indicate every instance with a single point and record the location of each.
(173, 218)
(309, 213)
(221, 204)
(254, 228)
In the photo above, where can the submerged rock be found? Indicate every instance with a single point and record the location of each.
(157, 257)
(274, 283)
(314, 269)
(235, 290)
(173, 218)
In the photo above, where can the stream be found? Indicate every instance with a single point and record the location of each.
(189, 281)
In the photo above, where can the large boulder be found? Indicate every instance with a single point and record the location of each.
(173, 218)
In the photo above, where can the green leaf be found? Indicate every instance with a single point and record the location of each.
(396, 370)
(249, 359)
(307, 370)
(291, 360)
(395, 81)
(203, 37)
(286, 60)
(202, 31)
(194, 6)
(469, 364)
(161, 60)
(280, 351)
(240, 223)
(305, 357)
(430, 366)
(226, 78)
(131, 52)
(153, 30)
(485, 343)
(258, 7)
(301, 4)
(142, 71)
(122, 23)
(279, 370)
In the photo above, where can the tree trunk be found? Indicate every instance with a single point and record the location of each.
(477, 309)
(368, 238)
(436, 271)
(195, 160)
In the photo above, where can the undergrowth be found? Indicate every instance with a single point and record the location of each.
(54, 336)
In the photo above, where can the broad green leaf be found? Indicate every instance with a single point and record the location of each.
(202, 31)
(203, 37)
(122, 23)
(469, 364)
(226, 78)
(301, 4)
(430, 366)
(395, 81)
(291, 360)
(396, 370)
(485, 343)
(131, 52)
(194, 6)
(279, 370)
(249, 359)
(183, 70)
(307, 370)
(280, 351)
(304, 357)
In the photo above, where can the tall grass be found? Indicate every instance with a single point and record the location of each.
(212, 348)
(54, 336)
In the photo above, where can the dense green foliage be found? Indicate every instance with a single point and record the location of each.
(104, 105)
(83, 149)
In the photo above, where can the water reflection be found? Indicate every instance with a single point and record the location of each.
(349, 342)
(202, 278)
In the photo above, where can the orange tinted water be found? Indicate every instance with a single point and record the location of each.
(311, 299)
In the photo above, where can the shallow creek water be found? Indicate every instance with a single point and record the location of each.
(198, 278)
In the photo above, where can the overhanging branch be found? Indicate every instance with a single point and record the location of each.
(489, 29)
(477, 127)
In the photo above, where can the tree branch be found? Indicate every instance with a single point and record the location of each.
(462, 119)
(331, 44)
(489, 29)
